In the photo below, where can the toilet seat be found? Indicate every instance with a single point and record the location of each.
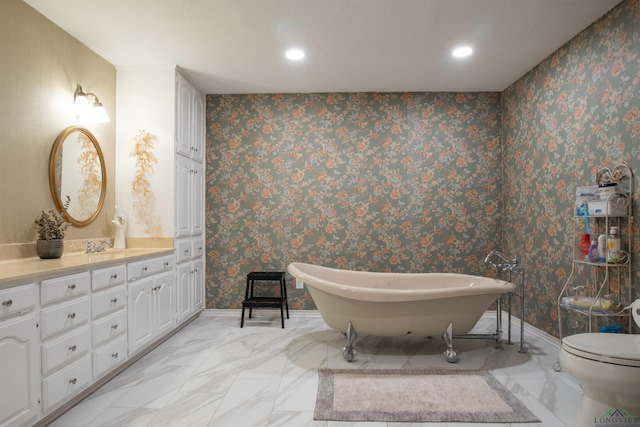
(617, 349)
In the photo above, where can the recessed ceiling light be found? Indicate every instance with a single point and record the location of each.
(295, 54)
(462, 51)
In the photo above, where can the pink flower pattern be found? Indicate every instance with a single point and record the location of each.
(423, 182)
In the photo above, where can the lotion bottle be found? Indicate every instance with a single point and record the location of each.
(593, 252)
(613, 246)
(602, 248)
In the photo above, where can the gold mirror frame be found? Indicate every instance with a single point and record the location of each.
(55, 175)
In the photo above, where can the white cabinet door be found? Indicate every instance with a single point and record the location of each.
(184, 291)
(163, 303)
(198, 132)
(141, 322)
(184, 144)
(190, 181)
(197, 199)
(184, 176)
(198, 285)
(19, 372)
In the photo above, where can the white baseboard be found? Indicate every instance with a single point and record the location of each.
(237, 312)
(311, 314)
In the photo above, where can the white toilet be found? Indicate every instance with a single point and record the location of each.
(608, 366)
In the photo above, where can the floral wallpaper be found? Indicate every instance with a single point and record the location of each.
(423, 181)
(367, 181)
(576, 111)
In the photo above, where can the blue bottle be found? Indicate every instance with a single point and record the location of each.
(593, 252)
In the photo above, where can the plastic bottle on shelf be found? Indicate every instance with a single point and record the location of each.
(602, 248)
(613, 246)
(585, 244)
(593, 252)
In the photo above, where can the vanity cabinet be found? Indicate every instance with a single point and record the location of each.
(190, 277)
(151, 303)
(190, 117)
(109, 318)
(190, 182)
(190, 197)
(65, 314)
(596, 292)
(19, 356)
(64, 334)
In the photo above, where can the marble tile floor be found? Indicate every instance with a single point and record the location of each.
(213, 373)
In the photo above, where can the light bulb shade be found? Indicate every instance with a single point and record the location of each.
(80, 101)
(91, 111)
(99, 114)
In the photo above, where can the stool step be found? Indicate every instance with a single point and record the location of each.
(275, 302)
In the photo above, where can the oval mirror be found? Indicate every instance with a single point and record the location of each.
(77, 175)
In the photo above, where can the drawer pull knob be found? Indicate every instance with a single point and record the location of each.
(71, 286)
(7, 303)
(114, 355)
(144, 268)
(73, 381)
(71, 315)
(166, 264)
(114, 300)
(114, 276)
(114, 327)
(73, 348)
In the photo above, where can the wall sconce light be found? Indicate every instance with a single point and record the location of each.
(94, 111)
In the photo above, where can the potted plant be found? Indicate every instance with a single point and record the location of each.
(50, 227)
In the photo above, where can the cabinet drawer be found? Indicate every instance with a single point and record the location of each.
(65, 349)
(62, 385)
(183, 250)
(109, 327)
(17, 300)
(139, 269)
(108, 301)
(109, 356)
(106, 277)
(63, 317)
(64, 287)
(197, 248)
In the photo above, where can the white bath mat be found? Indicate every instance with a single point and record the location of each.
(431, 395)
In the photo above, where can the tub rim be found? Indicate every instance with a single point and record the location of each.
(490, 286)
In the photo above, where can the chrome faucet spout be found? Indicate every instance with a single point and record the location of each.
(505, 263)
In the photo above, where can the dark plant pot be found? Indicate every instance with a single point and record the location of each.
(47, 249)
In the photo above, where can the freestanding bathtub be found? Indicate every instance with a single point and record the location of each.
(397, 304)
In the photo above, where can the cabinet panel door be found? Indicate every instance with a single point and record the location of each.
(198, 131)
(183, 196)
(141, 323)
(184, 144)
(197, 199)
(198, 285)
(20, 370)
(164, 305)
(184, 291)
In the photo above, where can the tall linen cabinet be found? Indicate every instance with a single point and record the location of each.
(162, 103)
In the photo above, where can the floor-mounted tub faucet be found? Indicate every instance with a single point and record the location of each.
(506, 264)
(511, 265)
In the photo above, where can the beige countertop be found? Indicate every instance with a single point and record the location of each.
(22, 271)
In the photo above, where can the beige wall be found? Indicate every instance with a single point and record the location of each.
(40, 66)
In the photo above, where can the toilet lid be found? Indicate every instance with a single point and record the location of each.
(619, 349)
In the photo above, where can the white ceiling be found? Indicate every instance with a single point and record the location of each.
(237, 46)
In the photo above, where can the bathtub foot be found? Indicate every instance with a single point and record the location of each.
(348, 352)
(450, 354)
